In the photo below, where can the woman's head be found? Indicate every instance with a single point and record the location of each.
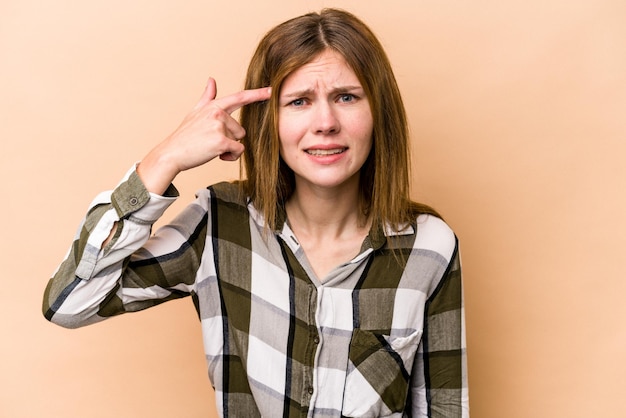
(384, 182)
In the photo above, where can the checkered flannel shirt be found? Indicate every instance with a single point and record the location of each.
(382, 335)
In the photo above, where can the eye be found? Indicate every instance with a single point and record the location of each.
(297, 102)
(347, 98)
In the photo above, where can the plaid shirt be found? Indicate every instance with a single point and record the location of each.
(382, 335)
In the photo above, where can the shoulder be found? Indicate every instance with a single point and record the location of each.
(221, 198)
(229, 201)
(433, 234)
(224, 192)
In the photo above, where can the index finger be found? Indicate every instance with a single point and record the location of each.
(237, 100)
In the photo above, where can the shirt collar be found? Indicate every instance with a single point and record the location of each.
(376, 238)
(379, 233)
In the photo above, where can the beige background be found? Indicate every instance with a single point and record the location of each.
(518, 114)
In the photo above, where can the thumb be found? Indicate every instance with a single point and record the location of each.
(209, 94)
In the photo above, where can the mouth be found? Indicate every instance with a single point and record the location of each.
(324, 152)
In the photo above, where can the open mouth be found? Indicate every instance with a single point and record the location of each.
(324, 152)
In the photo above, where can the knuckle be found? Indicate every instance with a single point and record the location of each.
(215, 112)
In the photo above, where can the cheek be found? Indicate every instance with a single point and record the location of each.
(366, 133)
(361, 123)
(289, 130)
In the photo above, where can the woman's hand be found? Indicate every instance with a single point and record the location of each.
(208, 131)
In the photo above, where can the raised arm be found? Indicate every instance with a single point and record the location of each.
(113, 266)
(94, 281)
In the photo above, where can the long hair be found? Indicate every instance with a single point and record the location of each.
(384, 177)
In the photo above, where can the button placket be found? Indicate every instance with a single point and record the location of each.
(308, 386)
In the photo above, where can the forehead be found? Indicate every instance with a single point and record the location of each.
(329, 68)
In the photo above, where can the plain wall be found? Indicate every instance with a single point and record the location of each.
(517, 111)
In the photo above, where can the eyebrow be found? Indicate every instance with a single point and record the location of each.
(308, 92)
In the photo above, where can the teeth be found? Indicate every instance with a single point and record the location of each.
(320, 152)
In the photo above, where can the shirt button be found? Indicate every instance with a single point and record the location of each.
(310, 390)
(133, 201)
(316, 340)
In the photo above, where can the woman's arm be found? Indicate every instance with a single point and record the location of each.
(90, 276)
(106, 271)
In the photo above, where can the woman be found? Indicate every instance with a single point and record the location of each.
(321, 288)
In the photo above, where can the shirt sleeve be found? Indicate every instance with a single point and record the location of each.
(134, 270)
(439, 380)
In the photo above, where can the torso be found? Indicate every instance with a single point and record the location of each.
(262, 312)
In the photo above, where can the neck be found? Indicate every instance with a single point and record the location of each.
(328, 224)
(321, 213)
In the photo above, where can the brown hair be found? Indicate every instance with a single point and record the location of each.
(384, 181)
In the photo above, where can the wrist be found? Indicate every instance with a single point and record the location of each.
(156, 172)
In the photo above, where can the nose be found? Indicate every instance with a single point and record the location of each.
(325, 119)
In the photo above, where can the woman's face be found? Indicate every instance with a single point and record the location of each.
(324, 123)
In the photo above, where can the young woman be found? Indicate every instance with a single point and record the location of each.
(322, 289)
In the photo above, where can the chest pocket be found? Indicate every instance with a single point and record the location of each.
(378, 376)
